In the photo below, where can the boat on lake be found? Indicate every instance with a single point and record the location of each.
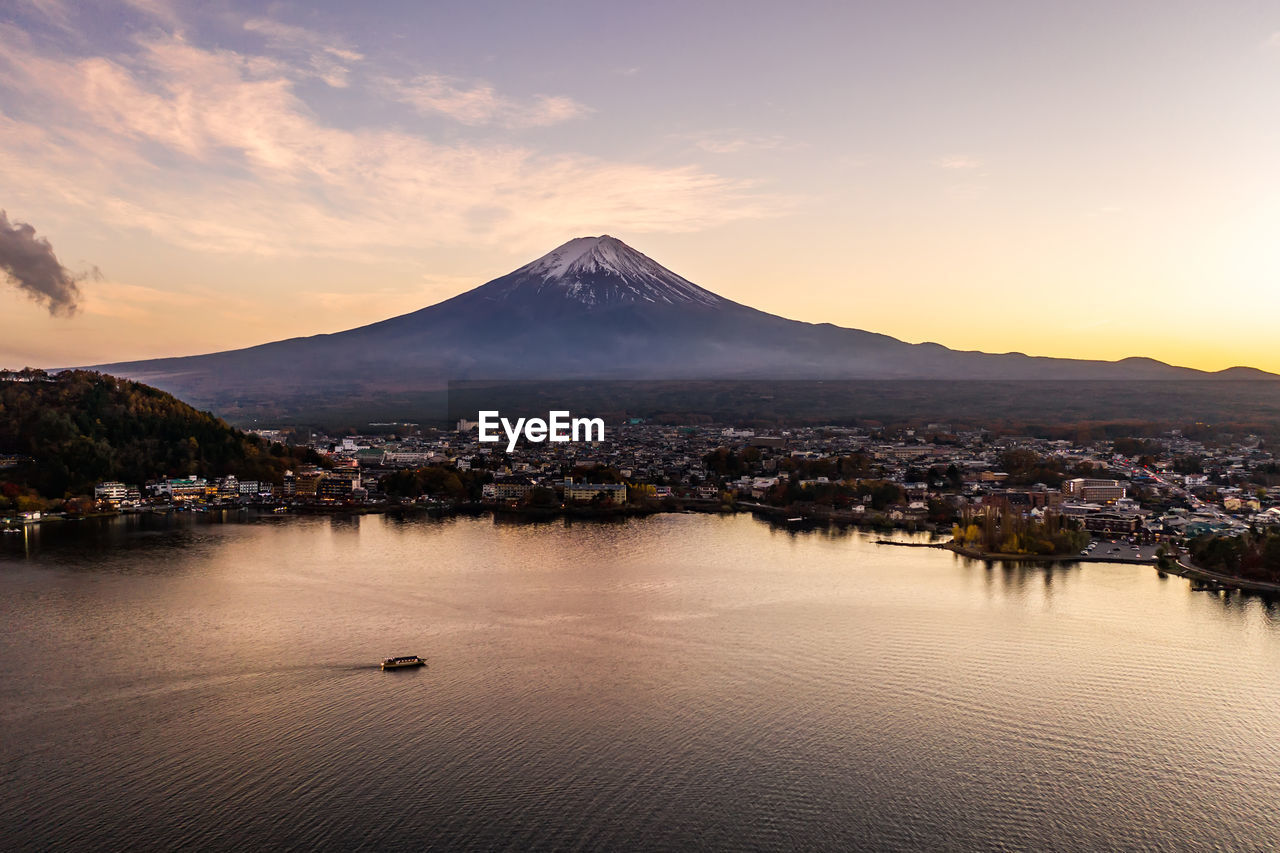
(406, 660)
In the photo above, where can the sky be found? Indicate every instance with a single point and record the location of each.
(1084, 179)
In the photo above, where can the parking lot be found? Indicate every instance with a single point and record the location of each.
(1120, 549)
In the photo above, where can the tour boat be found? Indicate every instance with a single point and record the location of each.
(406, 660)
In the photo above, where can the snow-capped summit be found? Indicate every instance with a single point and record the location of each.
(602, 271)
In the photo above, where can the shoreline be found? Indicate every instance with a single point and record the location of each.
(1194, 573)
(772, 514)
(1219, 582)
(469, 508)
(974, 554)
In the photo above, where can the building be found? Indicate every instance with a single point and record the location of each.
(614, 494)
(373, 456)
(111, 492)
(505, 490)
(1094, 490)
(303, 484)
(410, 458)
(336, 486)
(1112, 523)
(184, 488)
(228, 488)
(306, 483)
(1269, 516)
(1033, 499)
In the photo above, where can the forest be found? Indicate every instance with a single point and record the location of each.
(1002, 530)
(1254, 554)
(60, 434)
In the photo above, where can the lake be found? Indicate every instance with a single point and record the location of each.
(667, 683)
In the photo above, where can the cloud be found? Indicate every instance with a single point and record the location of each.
(957, 161)
(162, 10)
(326, 57)
(29, 262)
(63, 13)
(216, 150)
(54, 10)
(479, 103)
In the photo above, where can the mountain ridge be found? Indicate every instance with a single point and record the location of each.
(596, 308)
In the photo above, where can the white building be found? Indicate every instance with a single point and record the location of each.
(112, 492)
(183, 488)
(1094, 490)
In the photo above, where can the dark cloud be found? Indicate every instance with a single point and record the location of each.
(30, 263)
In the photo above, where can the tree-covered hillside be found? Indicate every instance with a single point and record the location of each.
(69, 431)
(1253, 554)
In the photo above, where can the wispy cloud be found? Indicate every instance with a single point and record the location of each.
(478, 103)
(215, 149)
(162, 10)
(55, 11)
(326, 57)
(958, 161)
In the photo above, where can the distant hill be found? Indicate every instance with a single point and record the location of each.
(1073, 409)
(74, 429)
(594, 308)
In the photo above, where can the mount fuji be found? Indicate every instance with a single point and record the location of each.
(592, 308)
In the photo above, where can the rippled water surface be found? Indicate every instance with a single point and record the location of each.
(667, 683)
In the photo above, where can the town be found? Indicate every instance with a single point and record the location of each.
(1136, 492)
